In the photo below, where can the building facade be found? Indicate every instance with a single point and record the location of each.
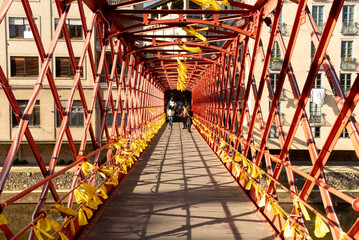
(342, 51)
(22, 65)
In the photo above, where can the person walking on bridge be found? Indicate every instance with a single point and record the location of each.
(189, 117)
(170, 114)
(184, 116)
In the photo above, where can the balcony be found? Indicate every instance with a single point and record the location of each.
(349, 28)
(103, 78)
(282, 97)
(348, 63)
(275, 63)
(316, 118)
(282, 28)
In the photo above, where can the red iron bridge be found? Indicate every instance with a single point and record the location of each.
(135, 177)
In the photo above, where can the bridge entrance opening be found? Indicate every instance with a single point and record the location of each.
(178, 100)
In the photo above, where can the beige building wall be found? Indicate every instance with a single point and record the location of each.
(47, 131)
(301, 61)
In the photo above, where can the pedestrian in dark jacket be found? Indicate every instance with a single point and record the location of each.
(189, 117)
(184, 117)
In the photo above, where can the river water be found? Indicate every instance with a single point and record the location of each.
(19, 216)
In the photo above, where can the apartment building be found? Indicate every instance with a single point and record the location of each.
(22, 65)
(343, 51)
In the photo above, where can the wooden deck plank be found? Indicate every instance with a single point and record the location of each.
(179, 190)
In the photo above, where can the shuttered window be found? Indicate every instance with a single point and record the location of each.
(24, 66)
(63, 67)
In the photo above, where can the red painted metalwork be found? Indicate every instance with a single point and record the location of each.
(221, 91)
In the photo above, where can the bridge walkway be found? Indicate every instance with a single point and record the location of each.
(179, 190)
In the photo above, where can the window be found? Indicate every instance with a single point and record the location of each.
(318, 81)
(24, 66)
(345, 134)
(109, 118)
(76, 118)
(346, 50)
(349, 27)
(20, 28)
(345, 82)
(274, 79)
(315, 113)
(318, 16)
(316, 132)
(312, 53)
(74, 27)
(273, 132)
(276, 51)
(35, 116)
(348, 14)
(64, 68)
(275, 62)
(279, 106)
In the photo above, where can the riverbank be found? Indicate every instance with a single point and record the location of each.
(344, 178)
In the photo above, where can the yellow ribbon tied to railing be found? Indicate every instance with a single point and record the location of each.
(321, 229)
(301, 206)
(90, 190)
(181, 64)
(3, 220)
(103, 190)
(195, 33)
(262, 203)
(258, 191)
(80, 196)
(44, 225)
(342, 236)
(82, 220)
(211, 4)
(190, 49)
(238, 157)
(63, 236)
(288, 231)
(87, 168)
(277, 210)
(249, 184)
(66, 210)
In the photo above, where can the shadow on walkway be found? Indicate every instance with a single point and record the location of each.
(179, 190)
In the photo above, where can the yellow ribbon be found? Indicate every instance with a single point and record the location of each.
(195, 33)
(304, 211)
(190, 49)
(342, 236)
(66, 210)
(103, 190)
(90, 190)
(80, 196)
(63, 236)
(321, 229)
(82, 220)
(3, 220)
(211, 4)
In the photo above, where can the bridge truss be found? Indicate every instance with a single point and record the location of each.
(221, 78)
